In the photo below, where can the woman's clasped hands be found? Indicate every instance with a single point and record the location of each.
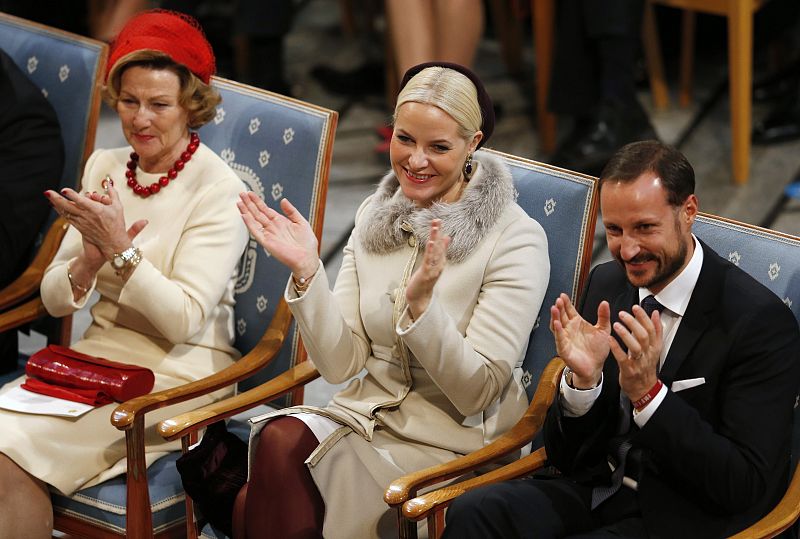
(101, 222)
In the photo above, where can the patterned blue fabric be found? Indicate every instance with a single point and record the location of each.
(64, 66)
(278, 148)
(104, 504)
(564, 203)
(771, 258)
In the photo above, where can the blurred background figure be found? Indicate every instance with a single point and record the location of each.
(593, 81)
(416, 31)
(438, 30)
(247, 36)
(31, 162)
(107, 17)
(426, 31)
(782, 122)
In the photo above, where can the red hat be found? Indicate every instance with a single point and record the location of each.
(176, 34)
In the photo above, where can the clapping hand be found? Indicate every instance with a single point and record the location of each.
(420, 287)
(288, 237)
(100, 221)
(583, 346)
(642, 335)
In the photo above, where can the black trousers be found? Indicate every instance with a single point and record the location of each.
(542, 508)
(595, 50)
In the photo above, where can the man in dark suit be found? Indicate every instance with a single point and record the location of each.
(31, 161)
(672, 424)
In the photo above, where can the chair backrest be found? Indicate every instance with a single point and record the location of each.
(280, 147)
(771, 258)
(69, 69)
(565, 204)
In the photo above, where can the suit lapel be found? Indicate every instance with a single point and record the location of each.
(705, 298)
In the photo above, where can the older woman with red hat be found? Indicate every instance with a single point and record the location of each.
(440, 286)
(155, 232)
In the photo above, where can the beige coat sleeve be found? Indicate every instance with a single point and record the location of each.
(330, 322)
(473, 370)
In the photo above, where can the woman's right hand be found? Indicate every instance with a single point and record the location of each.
(288, 237)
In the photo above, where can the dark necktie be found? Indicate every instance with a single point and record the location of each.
(620, 445)
(650, 304)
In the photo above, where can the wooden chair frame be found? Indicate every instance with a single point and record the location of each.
(739, 14)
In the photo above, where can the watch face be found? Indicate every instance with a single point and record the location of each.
(118, 262)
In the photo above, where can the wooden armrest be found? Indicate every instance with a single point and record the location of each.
(28, 283)
(22, 314)
(421, 506)
(406, 487)
(125, 414)
(181, 425)
(781, 517)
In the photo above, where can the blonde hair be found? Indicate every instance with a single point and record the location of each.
(449, 90)
(198, 98)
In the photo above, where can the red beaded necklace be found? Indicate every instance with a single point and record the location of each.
(155, 187)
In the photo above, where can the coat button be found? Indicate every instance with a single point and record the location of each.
(412, 241)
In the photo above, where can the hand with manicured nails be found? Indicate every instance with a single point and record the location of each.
(287, 237)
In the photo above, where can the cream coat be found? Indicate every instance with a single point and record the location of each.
(443, 385)
(174, 315)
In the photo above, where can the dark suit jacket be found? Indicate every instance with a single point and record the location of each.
(31, 161)
(715, 457)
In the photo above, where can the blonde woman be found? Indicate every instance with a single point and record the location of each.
(440, 286)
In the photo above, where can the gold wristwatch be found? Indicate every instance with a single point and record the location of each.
(126, 260)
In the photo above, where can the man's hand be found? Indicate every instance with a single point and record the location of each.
(582, 346)
(638, 367)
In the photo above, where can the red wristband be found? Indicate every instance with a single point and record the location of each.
(650, 395)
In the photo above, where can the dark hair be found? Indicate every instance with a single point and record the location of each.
(636, 158)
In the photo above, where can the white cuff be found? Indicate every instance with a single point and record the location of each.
(576, 402)
(641, 417)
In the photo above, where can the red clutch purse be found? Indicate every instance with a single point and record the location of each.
(64, 373)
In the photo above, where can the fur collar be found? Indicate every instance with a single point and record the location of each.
(466, 221)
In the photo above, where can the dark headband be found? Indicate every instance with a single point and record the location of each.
(484, 101)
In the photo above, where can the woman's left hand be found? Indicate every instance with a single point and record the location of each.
(420, 287)
(99, 219)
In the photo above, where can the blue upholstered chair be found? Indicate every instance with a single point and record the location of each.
(773, 259)
(68, 68)
(279, 147)
(565, 204)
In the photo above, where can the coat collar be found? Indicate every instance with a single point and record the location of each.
(466, 221)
